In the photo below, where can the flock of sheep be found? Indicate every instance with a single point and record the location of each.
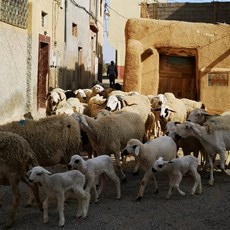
(84, 128)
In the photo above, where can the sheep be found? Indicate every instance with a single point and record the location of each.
(92, 168)
(55, 100)
(146, 154)
(175, 169)
(54, 139)
(109, 134)
(95, 105)
(136, 103)
(72, 105)
(217, 142)
(16, 156)
(188, 145)
(176, 109)
(215, 121)
(56, 185)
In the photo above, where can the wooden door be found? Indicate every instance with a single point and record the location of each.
(43, 68)
(178, 76)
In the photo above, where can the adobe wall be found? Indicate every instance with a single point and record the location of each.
(209, 42)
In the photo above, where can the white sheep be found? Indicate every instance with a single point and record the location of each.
(217, 142)
(146, 154)
(16, 156)
(56, 185)
(176, 109)
(188, 145)
(55, 100)
(92, 168)
(175, 169)
(109, 134)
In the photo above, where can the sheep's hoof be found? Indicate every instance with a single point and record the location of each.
(124, 181)
(138, 199)
(156, 191)
(96, 201)
(167, 197)
(136, 173)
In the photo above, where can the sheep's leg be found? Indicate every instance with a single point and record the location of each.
(123, 177)
(137, 165)
(83, 198)
(60, 208)
(211, 180)
(91, 184)
(155, 182)
(197, 182)
(45, 210)
(102, 183)
(171, 184)
(112, 175)
(15, 203)
(177, 184)
(222, 163)
(144, 182)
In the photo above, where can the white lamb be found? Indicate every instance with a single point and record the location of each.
(98, 166)
(146, 154)
(56, 185)
(175, 169)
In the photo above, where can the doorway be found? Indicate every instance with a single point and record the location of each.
(43, 71)
(177, 74)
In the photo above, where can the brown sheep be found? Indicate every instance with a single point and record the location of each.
(15, 157)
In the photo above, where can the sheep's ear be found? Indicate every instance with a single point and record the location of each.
(29, 172)
(137, 150)
(171, 110)
(46, 171)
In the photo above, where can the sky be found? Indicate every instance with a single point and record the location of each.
(109, 51)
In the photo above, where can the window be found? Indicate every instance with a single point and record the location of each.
(44, 19)
(74, 30)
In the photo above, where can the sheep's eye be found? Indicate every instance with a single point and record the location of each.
(39, 174)
(76, 161)
(160, 166)
(134, 146)
(54, 103)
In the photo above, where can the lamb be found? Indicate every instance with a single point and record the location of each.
(16, 156)
(217, 142)
(146, 154)
(54, 139)
(92, 168)
(56, 185)
(175, 169)
(109, 134)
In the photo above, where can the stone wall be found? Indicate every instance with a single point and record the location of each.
(214, 12)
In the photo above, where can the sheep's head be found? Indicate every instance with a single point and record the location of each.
(36, 174)
(132, 148)
(77, 162)
(159, 165)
